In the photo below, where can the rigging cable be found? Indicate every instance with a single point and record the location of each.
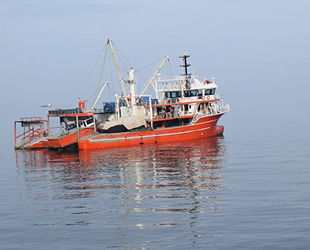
(120, 59)
(104, 49)
(148, 65)
(146, 82)
(112, 81)
(130, 64)
(170, 69)
(99, 84)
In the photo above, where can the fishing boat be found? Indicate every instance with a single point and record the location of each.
(180, 108)
(74, 125)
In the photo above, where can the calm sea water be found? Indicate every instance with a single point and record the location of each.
(245, 191)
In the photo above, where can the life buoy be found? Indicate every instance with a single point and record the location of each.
(208, 97)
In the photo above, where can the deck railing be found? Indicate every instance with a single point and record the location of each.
(31, 119)
(220, 109)
(30, 137)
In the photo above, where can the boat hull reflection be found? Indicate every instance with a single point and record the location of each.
(124, 190)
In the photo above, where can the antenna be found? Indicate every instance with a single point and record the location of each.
(185, 65)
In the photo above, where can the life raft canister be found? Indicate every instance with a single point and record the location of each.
(208, 81)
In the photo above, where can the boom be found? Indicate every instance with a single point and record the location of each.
(118, 71)
(99, 95)
(160, 66)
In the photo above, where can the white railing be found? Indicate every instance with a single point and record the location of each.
(218, 96)
(220, 109)
(30, 119)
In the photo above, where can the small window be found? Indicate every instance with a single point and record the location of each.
(210, 92)
(174, 94)
(199, 92)
(89, 121)
(194, 92)
(187, 93)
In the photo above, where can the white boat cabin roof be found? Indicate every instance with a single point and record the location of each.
(178, 82)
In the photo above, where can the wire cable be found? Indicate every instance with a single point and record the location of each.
(88, 75)
(130, 64)
(147, 65)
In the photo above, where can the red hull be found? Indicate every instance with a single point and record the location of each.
(69, 139)
(39, 145)
(204, 127)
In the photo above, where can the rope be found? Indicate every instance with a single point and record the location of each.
(111, 90)
(88, 75)
(112, 80)
(99, 84)
(141, 77)
(147, 65)
(146, 82)
(120, 59)
(170, 69)
(130, 64)
(92, 95)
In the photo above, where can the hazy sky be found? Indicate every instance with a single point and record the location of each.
(258, 51)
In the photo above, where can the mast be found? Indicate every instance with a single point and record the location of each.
(118, 71)
(132, 85)
(186, 74)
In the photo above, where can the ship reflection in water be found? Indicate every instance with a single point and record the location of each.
(129, 197)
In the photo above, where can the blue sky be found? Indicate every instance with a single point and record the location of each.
(258, 50)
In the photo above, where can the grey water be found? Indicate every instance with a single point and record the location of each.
(247, 190)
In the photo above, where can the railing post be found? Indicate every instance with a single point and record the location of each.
(15, 134)
(151, 111)
(29, 136)
(48, 126)
(77, 127)
(94, 124)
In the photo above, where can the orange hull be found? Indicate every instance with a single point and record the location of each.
(204, 127)
(45, 143)
(69, 139)
(39, 145)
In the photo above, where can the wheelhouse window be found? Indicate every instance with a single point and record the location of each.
(173, 94)
(89, 121)
(210, 92)
(190, 93)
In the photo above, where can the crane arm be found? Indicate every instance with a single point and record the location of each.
(160, 66)
(99, 95)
